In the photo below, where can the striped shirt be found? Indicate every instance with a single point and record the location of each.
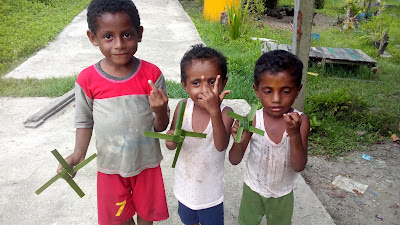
(119, 111)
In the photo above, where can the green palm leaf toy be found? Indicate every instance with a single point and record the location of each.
(66, 173)
(245, 123)
(179, 134)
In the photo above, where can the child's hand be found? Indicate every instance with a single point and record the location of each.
(158, 100)
(171, 145)
(234, 130)
(293, 123)
(212, 98)
(72, 161)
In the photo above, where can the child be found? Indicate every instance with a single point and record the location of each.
(275, 158)
(117, 97)
(199, 171)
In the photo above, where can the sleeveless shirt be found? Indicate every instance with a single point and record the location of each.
(268, 170)
(199, 171)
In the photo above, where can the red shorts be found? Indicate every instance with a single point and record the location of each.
(118, 198)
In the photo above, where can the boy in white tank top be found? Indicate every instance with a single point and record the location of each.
(275, 158)
(199, 171)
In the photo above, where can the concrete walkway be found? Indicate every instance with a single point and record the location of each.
(25, 159)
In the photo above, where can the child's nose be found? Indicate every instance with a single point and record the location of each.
(119, 43)
(276, 97)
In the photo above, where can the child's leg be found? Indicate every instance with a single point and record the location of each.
(279, 210)
(142, 221)
(212, 216)
(148, 195)
(188, 216)
(251, 207)
(114, 199)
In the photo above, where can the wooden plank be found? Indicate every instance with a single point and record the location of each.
(39, 117)
(365, 57)
(353, 54)
(283, 47)
(327, 53)
(312, 53)
(290, 49)
(346, 55)
(334, 53)
(272, 46)
(318, 52)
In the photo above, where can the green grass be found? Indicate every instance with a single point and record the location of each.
(51, 87)
(352, 107)
(26, 27)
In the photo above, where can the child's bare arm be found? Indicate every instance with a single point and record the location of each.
(83, 136)
(159, 104)
(171, 145)
(298, 128)
(221, 129)
(238, 149)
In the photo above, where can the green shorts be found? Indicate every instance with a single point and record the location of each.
(253, 207)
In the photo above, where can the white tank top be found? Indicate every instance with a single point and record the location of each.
(268, 170)
(199, 171)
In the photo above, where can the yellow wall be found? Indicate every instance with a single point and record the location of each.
(213, 8)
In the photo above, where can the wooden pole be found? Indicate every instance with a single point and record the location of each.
(302, 25)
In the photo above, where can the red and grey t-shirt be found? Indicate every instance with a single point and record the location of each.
(119, 111)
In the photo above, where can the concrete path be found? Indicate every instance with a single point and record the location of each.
(25, 159)
(168, 34)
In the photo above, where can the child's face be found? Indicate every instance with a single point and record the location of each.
(194, 85)
(116, 38)
(277, 92)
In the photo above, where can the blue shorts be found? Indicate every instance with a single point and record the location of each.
(209, 216)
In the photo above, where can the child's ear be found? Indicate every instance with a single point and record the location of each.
(255, 90)
(299, 89)
(92, 38)
(184, 85)
(140, 34)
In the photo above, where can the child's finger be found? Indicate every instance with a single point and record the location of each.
(154, 88)
(152, 85)
(295, 118)
(216, 84)
(223, 94)
(163, 95)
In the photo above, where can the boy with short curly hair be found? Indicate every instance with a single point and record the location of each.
(120, 97)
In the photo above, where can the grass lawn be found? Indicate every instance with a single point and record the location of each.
(349, 107)
(26, 27)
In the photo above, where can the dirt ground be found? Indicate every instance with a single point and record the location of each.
(380, 204)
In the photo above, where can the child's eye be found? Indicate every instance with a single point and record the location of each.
(286, 92)
(267, 92)
(195, 83)
(127, 35)
(212, 82)
(107, 37)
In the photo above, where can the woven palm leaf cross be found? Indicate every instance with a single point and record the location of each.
(179, 134)
(66, 173)
(245, 123)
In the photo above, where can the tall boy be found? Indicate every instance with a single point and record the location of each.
(275, 158)
(117, 97)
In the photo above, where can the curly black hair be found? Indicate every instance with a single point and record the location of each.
(97, 8)
(278, 61)
(201, 52)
